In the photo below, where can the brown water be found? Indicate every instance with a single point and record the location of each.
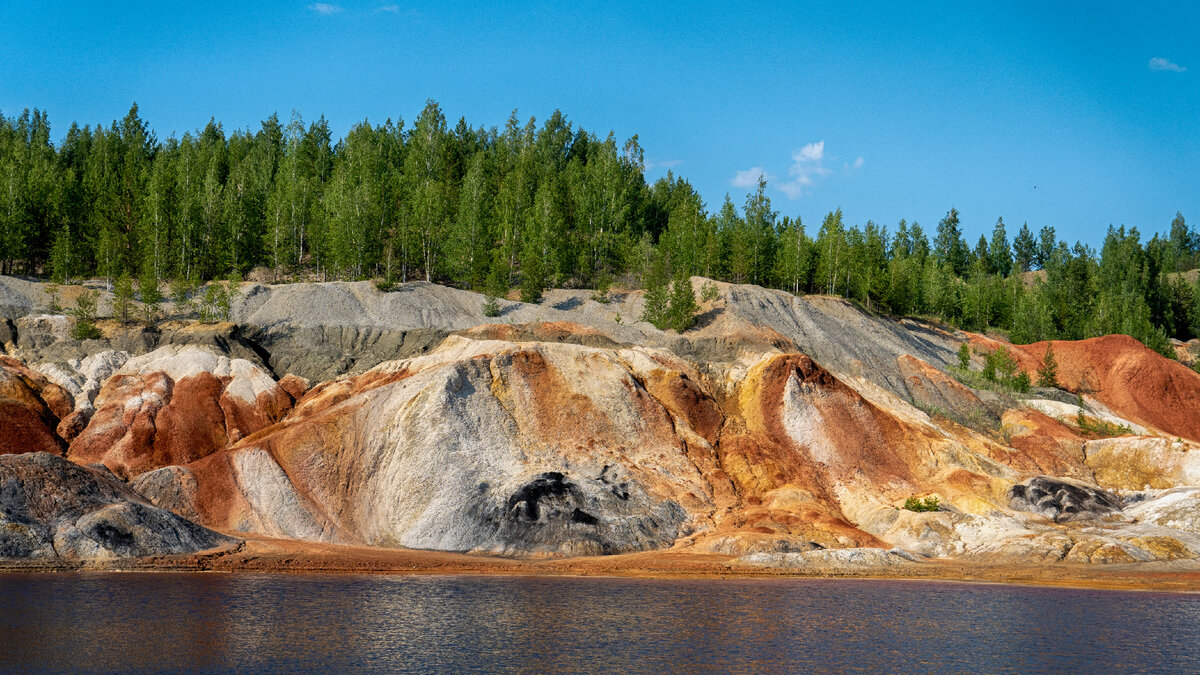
(292, 623)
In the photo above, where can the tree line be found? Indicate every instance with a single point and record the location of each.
(535, 207)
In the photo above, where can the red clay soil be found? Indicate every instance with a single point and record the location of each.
(1054, 448)
(1134, 381)
(30, 409)
(144, 422)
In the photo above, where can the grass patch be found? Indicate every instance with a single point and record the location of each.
(976, 420)
(1098, 427)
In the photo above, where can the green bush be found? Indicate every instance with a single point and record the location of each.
(85, 317)
(709, 292)
(491, 307)
(922, 505)
(964, 356)
(1021, 382)
(52, 306)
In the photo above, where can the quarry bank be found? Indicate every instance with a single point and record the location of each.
(337, 426)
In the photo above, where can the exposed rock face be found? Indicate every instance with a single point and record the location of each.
(30, 408)
(484, 446)
(931, 389)
(1062, 500)
(1136, 463)
(176, 405)
(831, 559)
(783, 430)
(50, 507)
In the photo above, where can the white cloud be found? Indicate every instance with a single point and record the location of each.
(394, 9)
(749, 177)
(662, 163)
(1159, 63)
(808, 166)
(325, 9)
(813, 152)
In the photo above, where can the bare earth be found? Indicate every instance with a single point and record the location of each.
(283, 556)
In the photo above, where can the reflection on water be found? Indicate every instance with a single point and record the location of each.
(213, 622)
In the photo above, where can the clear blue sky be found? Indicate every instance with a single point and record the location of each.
(890, 113)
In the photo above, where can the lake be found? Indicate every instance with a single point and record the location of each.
(303, 623)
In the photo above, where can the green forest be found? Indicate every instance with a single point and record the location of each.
(533, 206)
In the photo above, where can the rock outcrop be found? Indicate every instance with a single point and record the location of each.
(176, 405)
(1062, 500)
(52, 508)
(480, 446)
(789, 432)
(30, 409)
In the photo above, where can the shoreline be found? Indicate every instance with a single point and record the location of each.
(279, 556)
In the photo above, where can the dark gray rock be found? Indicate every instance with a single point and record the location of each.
(578, 515)
(321, 353)
(53, 508)
(1062, 499)
(172, 488)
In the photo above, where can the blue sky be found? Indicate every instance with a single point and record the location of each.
(890, 113)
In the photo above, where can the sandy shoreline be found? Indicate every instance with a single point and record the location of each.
(294, 557)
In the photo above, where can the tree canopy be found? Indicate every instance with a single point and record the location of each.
(533, 206)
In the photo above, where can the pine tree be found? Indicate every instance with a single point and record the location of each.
(657, 296)
(1047, 374)
(1024, 249)
(150, 295)
(682, 306)
(52, 291)
(949, 244)
(999, 251)
(85, 317)
(123, 298)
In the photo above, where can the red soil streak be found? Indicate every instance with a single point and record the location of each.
(1131, 379)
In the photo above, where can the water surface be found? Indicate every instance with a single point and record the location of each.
(303, 623)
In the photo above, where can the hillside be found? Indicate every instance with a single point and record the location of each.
(781, 433)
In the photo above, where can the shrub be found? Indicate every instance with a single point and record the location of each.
(217, 303)
(386, 285)
(989, 367)
(964, 356)
(181, 295)
(682, 307)
(53, 307)
(1021, 382)
(150, 295)
(922, 505)
(491, 307)
(1006, 365)
(709, 292)
(603, 284)
(85, 317)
